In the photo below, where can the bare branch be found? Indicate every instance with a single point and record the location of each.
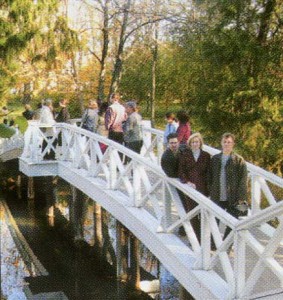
(94, 54)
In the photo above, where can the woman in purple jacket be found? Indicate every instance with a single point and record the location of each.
(194, 166)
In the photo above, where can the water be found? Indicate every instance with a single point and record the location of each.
(72, 267)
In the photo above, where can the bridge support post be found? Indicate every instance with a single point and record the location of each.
(239, 261)
(25, 186)
(30, 188)
(256, 193)
(122, 238)
(135, 261)
(44, 193)
(77, 213)
(50, 187)
(97, 229)
(184, 294)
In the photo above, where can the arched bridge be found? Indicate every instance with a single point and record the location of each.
(248, 264)
(11, 148)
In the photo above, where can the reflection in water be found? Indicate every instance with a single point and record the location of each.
(72, 268)
(13, 269)
(167, 287)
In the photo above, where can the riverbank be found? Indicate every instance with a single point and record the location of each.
(13, 270)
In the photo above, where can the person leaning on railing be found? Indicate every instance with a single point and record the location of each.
(194, 166)
(132, 127)
(115, 116)
(228, 179)
(170, 157)
(90, 116)
(47, 118)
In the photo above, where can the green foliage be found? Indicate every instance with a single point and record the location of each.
(222, 62)
(32, 37)
(22, 123)
(225, 67)
(6, 132)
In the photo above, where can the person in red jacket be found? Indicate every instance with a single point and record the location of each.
(184, 129)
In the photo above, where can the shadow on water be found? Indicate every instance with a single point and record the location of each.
(72, 267)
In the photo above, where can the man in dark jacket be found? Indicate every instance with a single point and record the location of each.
(63, 115)
(228, 180)
(28, 113)
(169, 159)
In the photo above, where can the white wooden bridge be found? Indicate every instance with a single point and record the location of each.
(248, 264)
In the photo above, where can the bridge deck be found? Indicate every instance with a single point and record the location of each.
(246, 265)
(171, 250)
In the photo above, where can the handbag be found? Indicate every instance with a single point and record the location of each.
(84, 123)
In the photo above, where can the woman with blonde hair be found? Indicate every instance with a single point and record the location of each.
(194, 166)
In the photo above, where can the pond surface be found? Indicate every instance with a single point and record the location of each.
(72, 268)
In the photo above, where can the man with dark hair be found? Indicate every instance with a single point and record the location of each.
(228, 177)
(169, 159)
(63, 115)
(28, 113)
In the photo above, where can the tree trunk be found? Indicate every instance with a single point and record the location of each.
(265, 21)
(153, 71)
(104, 54)
(116, 76)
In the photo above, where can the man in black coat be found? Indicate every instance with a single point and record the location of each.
(228, 180)
(28, 113)
(63, 116)
(169, 159)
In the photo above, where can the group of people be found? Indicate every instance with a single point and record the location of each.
(222, 177)
(8, 122)
(120, 123)
(180, 125)
(45, 112)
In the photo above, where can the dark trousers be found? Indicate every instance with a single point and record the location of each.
(50, 155)
(190, 204)
(134, 146)
(116, 136)
(232, 211)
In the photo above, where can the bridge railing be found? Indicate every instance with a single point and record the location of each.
(144, 185)
(262, 183)
(14, 142)
(265, 211)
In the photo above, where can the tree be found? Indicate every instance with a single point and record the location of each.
(20, 22)
(235, 48)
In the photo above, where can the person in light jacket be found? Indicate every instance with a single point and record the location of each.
(132, 128)
(89, 119)
(115, 116)
(46, 118)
